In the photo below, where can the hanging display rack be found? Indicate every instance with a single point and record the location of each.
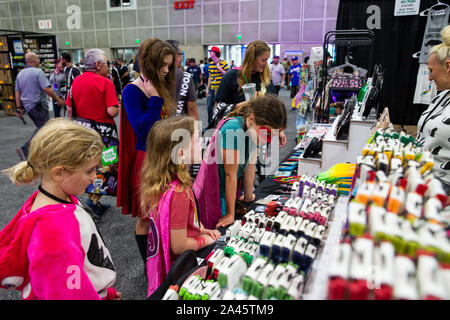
(347, 39)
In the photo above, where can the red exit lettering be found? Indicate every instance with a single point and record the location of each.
(178, 5)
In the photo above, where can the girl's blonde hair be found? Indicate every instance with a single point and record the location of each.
(442, 51)
(58, 143)
(158, 170)
(254, 50)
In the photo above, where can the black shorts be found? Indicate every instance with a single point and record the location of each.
(294, 91)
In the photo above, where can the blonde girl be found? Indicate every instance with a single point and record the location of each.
(255, 69)
(52, 249)
(167, 197)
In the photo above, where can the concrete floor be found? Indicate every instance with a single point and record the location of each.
(116, 229)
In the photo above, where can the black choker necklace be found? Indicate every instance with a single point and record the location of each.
(48, 194)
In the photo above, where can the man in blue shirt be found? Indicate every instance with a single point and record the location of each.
(31, 91)
(196, 72)
(294, 72)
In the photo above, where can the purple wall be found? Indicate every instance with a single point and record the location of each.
(314, 19)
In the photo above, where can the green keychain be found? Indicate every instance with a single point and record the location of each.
(109, 156)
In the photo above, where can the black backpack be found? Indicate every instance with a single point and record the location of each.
(220, 111)
(201, 91)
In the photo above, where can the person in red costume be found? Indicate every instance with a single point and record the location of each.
(145, 101)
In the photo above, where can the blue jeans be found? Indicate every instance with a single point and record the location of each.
(210, 102)
(40, 115)
(56, 109)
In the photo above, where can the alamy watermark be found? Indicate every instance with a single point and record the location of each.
(251, 145)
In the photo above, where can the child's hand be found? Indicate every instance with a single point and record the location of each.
(118, 296)
(215, 234)
(208, 240)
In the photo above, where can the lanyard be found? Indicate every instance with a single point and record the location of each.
(51, 196)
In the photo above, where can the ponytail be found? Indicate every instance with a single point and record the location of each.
(22, 173)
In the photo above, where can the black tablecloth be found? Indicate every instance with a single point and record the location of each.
(267, 187)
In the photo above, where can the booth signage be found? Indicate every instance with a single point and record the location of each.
(407, 7)
(179, 5)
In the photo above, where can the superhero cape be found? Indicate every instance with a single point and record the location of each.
(158, 245)
(40, 250)
(127, 154)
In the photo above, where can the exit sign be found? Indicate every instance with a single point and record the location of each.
(179, 5)
(45, 24)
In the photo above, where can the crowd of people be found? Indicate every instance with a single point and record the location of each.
(53, 238)
(80, 151)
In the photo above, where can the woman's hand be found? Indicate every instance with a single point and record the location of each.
(150, 89)
(225, 221)
(118, 296)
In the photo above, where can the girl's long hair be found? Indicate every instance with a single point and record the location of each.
(151, 59)
(159, 169)
(254, 50)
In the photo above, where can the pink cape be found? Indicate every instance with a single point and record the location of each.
(41, 251)
(158, 245)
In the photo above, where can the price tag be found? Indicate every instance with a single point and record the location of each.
(406, 7)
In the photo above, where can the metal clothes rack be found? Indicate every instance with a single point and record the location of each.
(342, 38)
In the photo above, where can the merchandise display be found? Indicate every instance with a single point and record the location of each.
(270, 252)
(377, 229)
(395, 244)
(6, 79)
(275, 152)
(346, 81)
(341, 175)
(13, 46)
(369, 95)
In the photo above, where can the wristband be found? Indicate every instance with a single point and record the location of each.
(200, 242)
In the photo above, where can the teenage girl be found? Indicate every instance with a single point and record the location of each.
(254, 123)
(167, 196)
(52, 249)
(146, 100)
(254, 69)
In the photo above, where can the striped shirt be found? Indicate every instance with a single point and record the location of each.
(216, 75)
(434, 133)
